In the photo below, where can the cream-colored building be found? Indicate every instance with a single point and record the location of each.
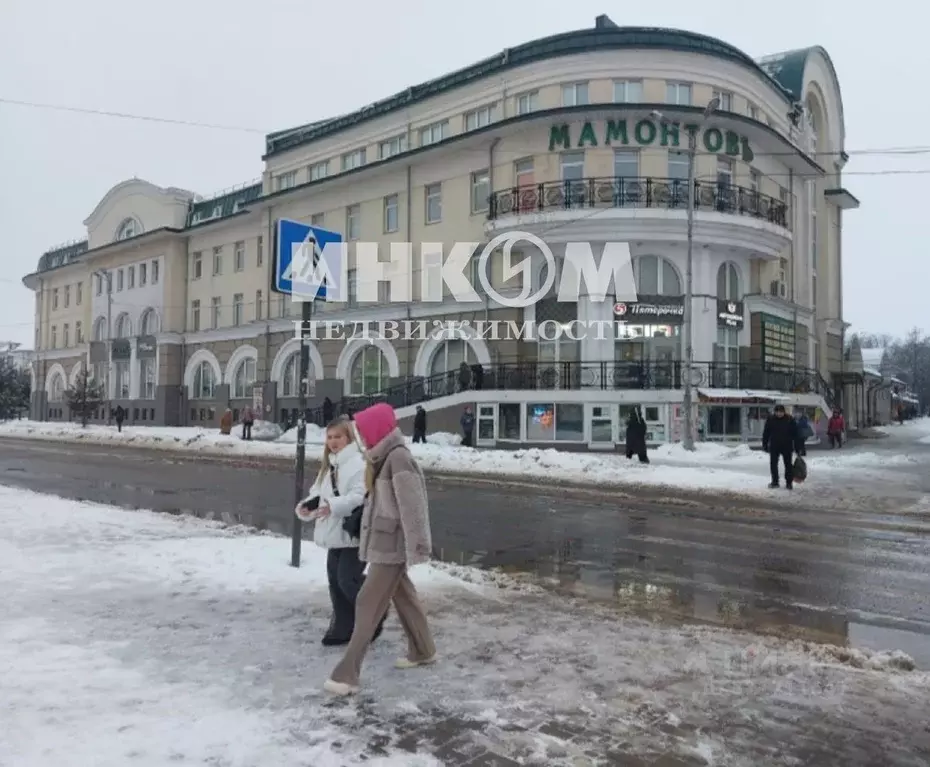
(580, 136)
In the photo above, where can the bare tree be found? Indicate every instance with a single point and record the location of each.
(85, 397)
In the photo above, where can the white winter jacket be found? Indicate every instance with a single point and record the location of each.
(350, 479)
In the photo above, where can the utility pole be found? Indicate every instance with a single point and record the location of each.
(687, 330)
(108, 278)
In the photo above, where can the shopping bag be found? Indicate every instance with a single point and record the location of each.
(799, 470)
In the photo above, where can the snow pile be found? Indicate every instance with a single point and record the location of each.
(129, 638)
(266, 431)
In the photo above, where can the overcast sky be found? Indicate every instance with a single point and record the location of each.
(274, 64)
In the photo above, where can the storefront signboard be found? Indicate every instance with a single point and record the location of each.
(730, 314)
(654, 310)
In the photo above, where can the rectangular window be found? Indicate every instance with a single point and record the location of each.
(392, 146)
(726, 100)
(239, 256)
(678, 93)
(433, 134)
(571, 166)
(569, 422)
(79, 293)
(755, 181)
(196, 266)
(390, 214)
(215, 311)
(480, 191)
(155, 266)
(131, 274)
(54, 337)
(66, 335)
(195, 315)
(353, 160)
(78, 332)
(259, 305)
(67, 296)
(217, 261)
(99, 284)
(55, 298)
(286, 181)
(724, 171)
(120, 279)
(433, 203)
(626, 163)
(353, 222)
(752, 110)
(527, 102)
(574, 94)
(238, 306)
(260, 251)
(147, 379)
(524, 173)
(628, 91)
(319, 170)
(122, 380)
(352, 288)
(318, 219)
(143, 275)
(478, 118)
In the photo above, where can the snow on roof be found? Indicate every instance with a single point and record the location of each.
(869, 371)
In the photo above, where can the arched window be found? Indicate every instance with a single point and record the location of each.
(149, 325)
(290, 378)
(656, 276)
(244, 379)
(811, 125)
(728, 288)
(100, 329)
(204, 381)
(58, 388)
(450, 355)
(369, 372)
(123, 326)
(129, 227)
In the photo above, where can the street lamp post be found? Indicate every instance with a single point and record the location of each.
(108, 277)
(687, 330)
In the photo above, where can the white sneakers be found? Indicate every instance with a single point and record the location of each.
(345, 690)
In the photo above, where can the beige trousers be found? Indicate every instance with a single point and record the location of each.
(384, 583)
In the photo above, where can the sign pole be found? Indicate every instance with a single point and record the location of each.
(306, 315)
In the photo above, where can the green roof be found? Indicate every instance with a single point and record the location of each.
(62, 256)
(222, 206)
(605, 35)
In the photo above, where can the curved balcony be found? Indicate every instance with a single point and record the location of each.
(718, 209)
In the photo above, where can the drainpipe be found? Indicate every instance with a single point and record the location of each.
(183, 419)
(494, 143)
(794, 270)
(408, 225)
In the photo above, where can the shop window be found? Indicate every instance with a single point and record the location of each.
(725, 421)
(509, 427)
(540, 422)
(601, 427)
(486, 423)
(569, 422)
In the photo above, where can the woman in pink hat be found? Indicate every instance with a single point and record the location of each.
(395, 535)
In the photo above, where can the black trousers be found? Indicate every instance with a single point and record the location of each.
(346, 576)
(419, 436)
(836, 439)
(786, 458)
(467, 437)
(247, 430)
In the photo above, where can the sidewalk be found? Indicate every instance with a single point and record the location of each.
(135, 639)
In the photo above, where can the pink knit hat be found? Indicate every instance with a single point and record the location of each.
(375, 423)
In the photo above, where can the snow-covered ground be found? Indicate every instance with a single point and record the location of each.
(135, 639)
(919, 429)
(710, 467)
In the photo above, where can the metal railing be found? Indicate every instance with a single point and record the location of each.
(637, 192)
(548, 376)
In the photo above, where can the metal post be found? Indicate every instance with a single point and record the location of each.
(106, 384)
(296, 529)
(686, 330)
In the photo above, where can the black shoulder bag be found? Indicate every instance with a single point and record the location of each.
(353, 523)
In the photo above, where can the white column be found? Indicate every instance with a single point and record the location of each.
(133, 370)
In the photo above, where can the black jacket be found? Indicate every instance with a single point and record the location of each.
(636, 433)
(782, 435)
(419, 421)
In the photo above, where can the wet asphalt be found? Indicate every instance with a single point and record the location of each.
(852, 568)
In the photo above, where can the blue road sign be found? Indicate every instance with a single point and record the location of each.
(291, 234)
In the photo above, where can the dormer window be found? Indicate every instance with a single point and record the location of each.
(129, 228)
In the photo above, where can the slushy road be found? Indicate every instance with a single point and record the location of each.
(825, 569)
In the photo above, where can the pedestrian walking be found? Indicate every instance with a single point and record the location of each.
(226, 422)
(248, 418)
(395, 535)
(780, 439)
(468, 427)
(339, 489)
(636, 436)
(419, 425)
(120, 417)
(464, 376)
(836, 427)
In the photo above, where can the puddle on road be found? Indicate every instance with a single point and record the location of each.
(698, 599)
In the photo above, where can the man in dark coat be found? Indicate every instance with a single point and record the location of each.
(327, 412)
(636, 436)
(464, 376)
(419, 425)
(468, 427)
(781, 438)
(120, 417)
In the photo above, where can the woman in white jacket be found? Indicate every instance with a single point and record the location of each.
(338, 490)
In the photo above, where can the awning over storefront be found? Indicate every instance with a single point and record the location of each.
(740, 395)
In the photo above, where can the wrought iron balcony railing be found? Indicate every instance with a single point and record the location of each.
(637, 192)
